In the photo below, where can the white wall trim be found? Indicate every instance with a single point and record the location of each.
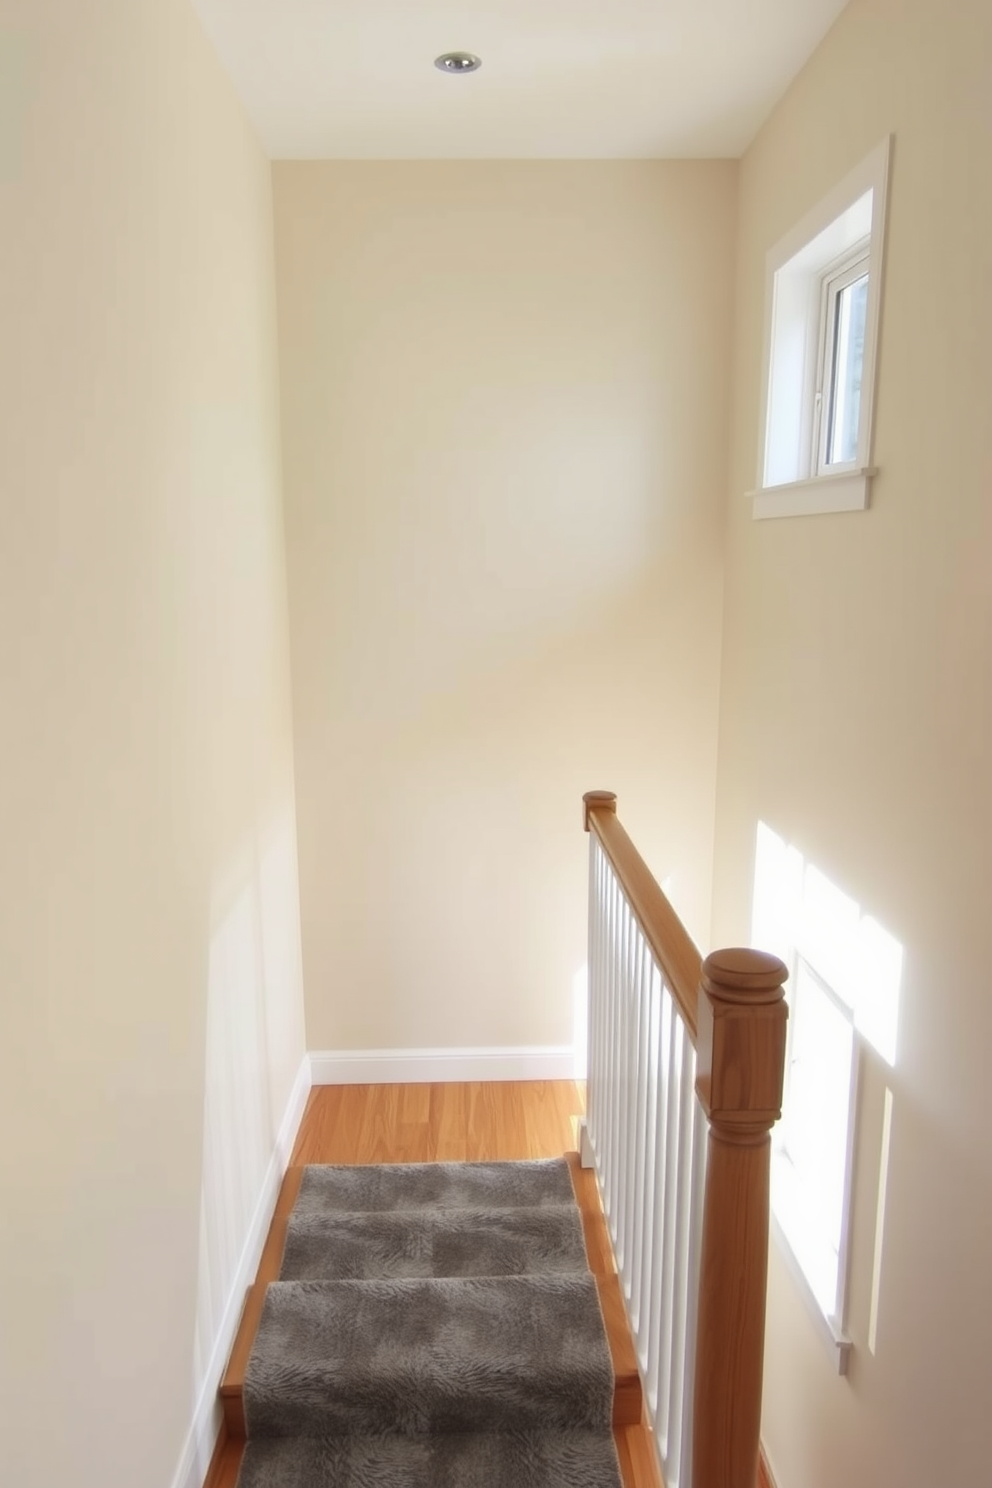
(819, 495)
(202, 1437)
(421, 1066)
(837, 1343)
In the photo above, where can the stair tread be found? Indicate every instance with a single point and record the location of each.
(443, 1242)
(634, 1447)
(627, 1391)
(537, 1459)
(450, 1354)
(396, 1187)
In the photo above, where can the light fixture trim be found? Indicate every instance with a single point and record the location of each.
(457, 64)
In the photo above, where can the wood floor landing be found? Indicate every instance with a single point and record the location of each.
(503, 1121)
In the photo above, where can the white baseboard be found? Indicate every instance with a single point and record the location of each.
(202, 1438)
(423, 1066)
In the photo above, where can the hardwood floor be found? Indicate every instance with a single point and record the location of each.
(438, 1123)
(502, 1121)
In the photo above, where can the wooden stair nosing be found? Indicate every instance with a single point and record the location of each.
(627, 1392)
(637, 1456)
(599, 1251)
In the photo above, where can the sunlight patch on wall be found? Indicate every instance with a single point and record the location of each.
(797, 910)
(845, 973)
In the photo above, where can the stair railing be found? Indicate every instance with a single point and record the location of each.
(685, 1072)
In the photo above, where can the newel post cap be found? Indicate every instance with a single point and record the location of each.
(740, 1049)
(598, 800)
(738, 974)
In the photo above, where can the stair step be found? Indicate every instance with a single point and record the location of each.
(634, 1447)
(627, 1392)
(416, 1356)
(429, 1243)
(384, 1188)
(522, 1460)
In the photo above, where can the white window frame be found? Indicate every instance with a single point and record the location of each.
(801, 287)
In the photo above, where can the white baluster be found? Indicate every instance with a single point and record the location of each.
(648, 1249)
(592, 992)
(600, 1009)
(610, 1040)
(640, 1183)
(668, 1242)
(683, 1209)
(661, 1173)
(697, 1190)
(623, 1084)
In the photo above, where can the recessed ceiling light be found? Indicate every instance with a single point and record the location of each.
(458, 62)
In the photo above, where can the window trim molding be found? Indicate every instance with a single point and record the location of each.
(847, 489)
(841, 491)
(835, 1339)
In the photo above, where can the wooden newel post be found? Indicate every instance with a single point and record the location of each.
(740, 1063)
(601, 800)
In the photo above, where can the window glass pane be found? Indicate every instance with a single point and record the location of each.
(849, 349)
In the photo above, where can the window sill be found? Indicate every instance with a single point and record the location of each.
(835, 1341)
(819, 495)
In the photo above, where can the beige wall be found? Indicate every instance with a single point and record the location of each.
(855, 722)
(504, 394)
(150, 982)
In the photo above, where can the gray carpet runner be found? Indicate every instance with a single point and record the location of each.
(434, 1326)
(388, 1187)
(448, 1242)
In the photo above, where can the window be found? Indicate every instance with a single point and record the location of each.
(823, 299)
(845, 972)
(841, 364)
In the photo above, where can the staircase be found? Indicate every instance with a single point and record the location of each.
(528, 1447)
(686, 1066)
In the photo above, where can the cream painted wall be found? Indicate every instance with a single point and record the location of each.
(504, 404)
(151, 999)
(855, 721)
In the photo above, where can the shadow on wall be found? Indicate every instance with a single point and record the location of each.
(504, 398)
(443, 862)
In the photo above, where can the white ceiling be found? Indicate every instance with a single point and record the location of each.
(584, 79)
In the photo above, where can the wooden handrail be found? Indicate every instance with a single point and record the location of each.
(670, 942)
(733, 1004)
